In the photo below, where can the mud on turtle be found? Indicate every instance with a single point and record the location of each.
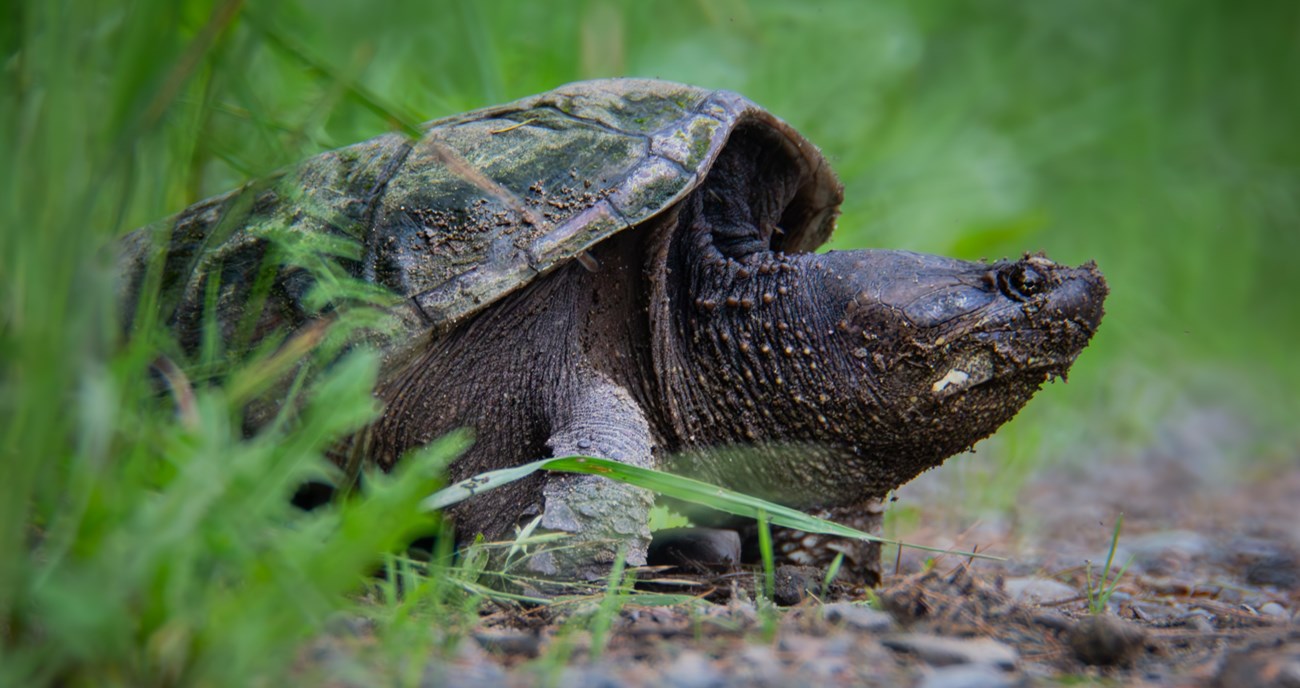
(624, 268)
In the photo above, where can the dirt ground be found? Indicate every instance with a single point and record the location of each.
(1211, 598)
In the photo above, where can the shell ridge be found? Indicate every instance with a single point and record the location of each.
(591, 121)
(454, 290)
(374, 199)
(538, 250)
(415, 301)
(646, 170)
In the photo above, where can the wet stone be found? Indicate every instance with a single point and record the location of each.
(857, 616)
(944, 651)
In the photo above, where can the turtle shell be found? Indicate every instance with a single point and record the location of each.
(479, 206)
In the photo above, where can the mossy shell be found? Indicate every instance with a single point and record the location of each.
(479, 206)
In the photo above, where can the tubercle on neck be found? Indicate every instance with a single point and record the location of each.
(757, 350)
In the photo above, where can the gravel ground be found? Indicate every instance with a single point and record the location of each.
(1211, 598)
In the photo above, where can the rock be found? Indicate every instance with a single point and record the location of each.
(1160, 552)
(344, 626)
(1103, 640)
(1038, 590)
(793, 582)
(737, 611)
(695, 548)
(1273, 664)
(943, 651)
(858, 616)
(967, 676)
(1275, 611)
(590, 676)
(1054, 620)
(1280, 570)
(472, 668)
(508, 642)
(1200, 621)
(756, 665)
(837, 646)
(823, 670)
(692, 669)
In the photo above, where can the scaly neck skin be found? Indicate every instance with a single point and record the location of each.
(747, 354)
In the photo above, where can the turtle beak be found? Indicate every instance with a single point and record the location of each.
(1077, 295)
(1059, 306)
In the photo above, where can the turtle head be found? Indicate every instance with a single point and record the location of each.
(955, 346)
(858, 370)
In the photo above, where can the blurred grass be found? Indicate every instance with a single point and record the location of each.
(1158, 138)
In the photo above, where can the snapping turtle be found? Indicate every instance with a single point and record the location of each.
(623, 268)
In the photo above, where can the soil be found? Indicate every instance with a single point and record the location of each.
(1211, 598)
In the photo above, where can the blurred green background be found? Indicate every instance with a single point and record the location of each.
(1158, 138)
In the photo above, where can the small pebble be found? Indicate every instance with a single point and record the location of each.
(708, 548)
(858, 616)
(1280, 570)
(590, 676)
(475, 673)
(823, 670)
(794, 582)
(1267, 665)
(508, 642)
(1274, 610)
(692, 669)
(943, 651)
(1164, 551)
(1200, 621)
(1038, 590)
(756, 663)
(967, 676)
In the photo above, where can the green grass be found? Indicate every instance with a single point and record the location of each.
(1100, 591)
(139, 547)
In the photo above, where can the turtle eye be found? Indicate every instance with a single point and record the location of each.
(1021, 281)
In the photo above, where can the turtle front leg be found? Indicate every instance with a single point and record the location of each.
(603, 517)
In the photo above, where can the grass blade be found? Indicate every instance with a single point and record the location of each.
(675, 486)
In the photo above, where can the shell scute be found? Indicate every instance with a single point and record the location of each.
(479, 206)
